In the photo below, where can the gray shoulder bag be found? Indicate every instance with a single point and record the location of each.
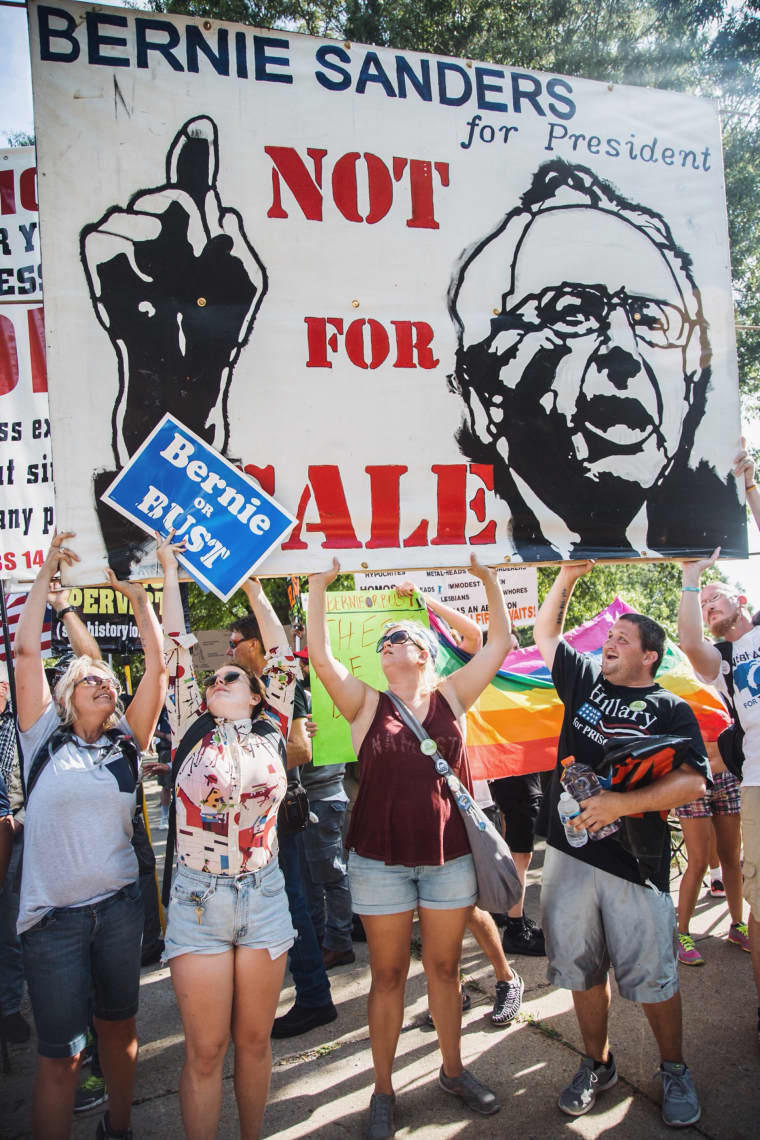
(499, 886)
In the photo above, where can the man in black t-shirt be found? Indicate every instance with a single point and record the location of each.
(600, 905)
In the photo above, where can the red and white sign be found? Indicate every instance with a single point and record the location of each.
(20, 269)
(432, 305)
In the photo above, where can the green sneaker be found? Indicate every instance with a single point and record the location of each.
(90, 1094)
(688, 954)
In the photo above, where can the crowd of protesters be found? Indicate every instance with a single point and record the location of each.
(253, 888)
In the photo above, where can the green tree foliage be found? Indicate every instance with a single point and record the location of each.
(208, 612)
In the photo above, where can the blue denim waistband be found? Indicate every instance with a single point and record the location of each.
(204, 879)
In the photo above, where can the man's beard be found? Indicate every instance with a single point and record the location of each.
(725, 625)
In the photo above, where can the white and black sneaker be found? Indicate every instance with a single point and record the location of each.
(508, 1000)
(588, 1082)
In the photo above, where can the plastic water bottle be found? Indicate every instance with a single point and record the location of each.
(581, 782)
(568, 809)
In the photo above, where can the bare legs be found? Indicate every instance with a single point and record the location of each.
(236, 990)
(54, 1085)
(592, 1010)
(754, 948)
(486, 933)
(664, 1019)
(728, 836)
(203, 984)
(388, 939)
(522, 862)
(56, 1078)
(442, 933)
(699, 834)
(117, 1051)
(258, 980)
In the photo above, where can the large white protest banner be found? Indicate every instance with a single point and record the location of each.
(460, 590)
(430, 304)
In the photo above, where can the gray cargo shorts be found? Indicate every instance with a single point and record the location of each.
(593, 920)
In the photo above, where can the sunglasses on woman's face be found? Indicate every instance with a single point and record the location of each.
(398, 637)
(93, 679)
(225, 678)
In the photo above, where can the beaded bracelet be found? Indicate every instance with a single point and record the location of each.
(689, 589)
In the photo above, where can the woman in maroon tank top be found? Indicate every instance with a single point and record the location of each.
(408, 846)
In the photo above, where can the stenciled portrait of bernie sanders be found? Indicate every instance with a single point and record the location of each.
(584, 383)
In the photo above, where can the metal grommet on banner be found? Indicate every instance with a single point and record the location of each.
(201, 302)
(428, 746)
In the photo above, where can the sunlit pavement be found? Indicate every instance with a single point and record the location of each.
(322, 1081)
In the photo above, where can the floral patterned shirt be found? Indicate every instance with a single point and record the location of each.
(230, 785)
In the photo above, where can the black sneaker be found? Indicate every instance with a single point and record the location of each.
(90, 1094)
(521, 936)
(300, 1019)
(103, 1131)
(508, 1000)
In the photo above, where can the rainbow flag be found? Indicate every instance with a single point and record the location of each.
(514, 726)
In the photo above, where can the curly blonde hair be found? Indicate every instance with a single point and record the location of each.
(63, 694)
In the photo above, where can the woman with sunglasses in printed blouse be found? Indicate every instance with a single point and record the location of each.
(408, 845)
(81, 912)
(229, 925)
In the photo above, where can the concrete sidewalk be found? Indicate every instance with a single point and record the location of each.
(322, 1081)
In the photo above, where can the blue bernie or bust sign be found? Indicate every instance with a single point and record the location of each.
(175, 481)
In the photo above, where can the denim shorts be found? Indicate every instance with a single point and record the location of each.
(592, 919)
(209, 914)
(377, 888)
(70, 951)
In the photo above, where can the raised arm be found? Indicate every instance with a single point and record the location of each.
(184, 700)
(468, 630)
(702, 653)
(32, 690)
(550, 620)
(80, 639)
(145, 707)
(272, 633)
(467, 683)
(347, 692)
(744, 469)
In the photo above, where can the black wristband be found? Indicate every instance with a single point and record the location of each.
(67, 610)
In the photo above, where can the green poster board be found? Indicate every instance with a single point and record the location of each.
(355, 622)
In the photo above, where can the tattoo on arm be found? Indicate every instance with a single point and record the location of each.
(561, 609)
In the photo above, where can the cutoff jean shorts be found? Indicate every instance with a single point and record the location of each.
(377, 888)
(74, 949)
(209, 914)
